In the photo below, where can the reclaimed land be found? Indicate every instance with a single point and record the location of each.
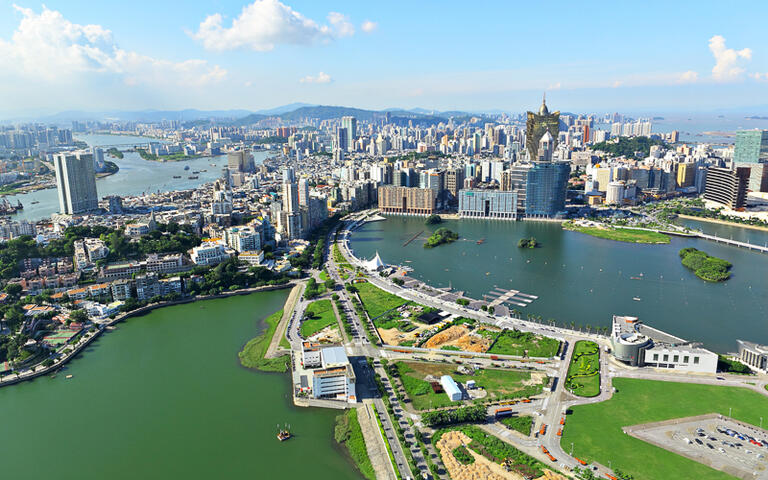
(584, 371)
(252, 355)
(376, 301)
(499, 384)
(595, 429)
(620, 234)
(322, 315)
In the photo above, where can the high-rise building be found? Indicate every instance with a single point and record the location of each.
(341, 139)
(488, 204)
(76, 182)
(537, 125)
(240, 161)
(350, 125)
(727, 186)
(751, 146)
(413, 201)
(686, 174)
(454, 181)
(303, 192)
(545, 189)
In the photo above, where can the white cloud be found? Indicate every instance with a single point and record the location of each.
(369, 26)
(759, 76)
(688, 77)
(47, 47)
(321, 77)
(555, 86)
(728, 62)
(264, 24)
(341, 24)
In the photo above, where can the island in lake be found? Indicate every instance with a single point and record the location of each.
(441, 236)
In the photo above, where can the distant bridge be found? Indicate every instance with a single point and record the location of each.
(125, 146)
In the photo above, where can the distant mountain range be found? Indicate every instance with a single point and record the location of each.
(290, 112)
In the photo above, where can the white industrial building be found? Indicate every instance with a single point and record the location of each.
(642, 346)
(325, 372)
(451, 388)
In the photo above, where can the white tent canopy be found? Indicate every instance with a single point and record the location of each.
(374, 264)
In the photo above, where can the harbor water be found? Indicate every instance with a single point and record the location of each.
(585, 280)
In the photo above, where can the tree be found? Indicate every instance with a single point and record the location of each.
(13, 289)
(78, 316)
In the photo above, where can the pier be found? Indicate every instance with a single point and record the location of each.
(413, 238)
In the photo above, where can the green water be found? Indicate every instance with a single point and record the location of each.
(164, 397)
(586, 280)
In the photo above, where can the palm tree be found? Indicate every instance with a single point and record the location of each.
(589, 327)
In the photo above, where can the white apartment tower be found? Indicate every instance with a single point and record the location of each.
(76, 182)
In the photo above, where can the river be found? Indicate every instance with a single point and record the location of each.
(164, 397)
(136, 176)
(583, 279)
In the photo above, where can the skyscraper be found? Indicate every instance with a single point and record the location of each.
(537, 125)
(76, 182)
(303, 192)
(727, 186)
(239, 161)
(545, 189)
(350, 125)
(751, 146)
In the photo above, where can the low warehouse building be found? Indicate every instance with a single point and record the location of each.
(451, 388)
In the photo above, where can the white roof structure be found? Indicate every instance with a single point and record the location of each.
(334, 357)
(374, 264)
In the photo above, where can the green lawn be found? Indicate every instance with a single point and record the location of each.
(584, 372)
(252, 355)
(622, 234)
(323, 275)
(595, 429)
(376, 301)
(498, 383)
(323, 316)
(513, 342)
(521, 424)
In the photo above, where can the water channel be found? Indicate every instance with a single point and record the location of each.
(164, 397)
(586, 280)
(136, 176)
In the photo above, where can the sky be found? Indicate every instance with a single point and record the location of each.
(588, 56)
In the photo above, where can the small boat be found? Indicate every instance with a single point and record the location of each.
(68, 377)
(480, 242)
(35, 202)
(186, 167)
(195, 171)
(177, 176)
(193, 177)
(636, 278)
(284, 433)
(637, 299)
(204, 170)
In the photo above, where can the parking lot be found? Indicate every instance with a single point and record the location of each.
(724, 444)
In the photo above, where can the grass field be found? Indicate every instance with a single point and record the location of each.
(621, 234)
(595, 429)
(252, 355)
(521, 424)
(348, 432)
(340, 261)
(376, 301)
(323, 316)
(498, 383)
(584, 372)
(512, 342)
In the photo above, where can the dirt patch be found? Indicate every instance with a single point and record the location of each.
(482, 468)
(459, 336)
(446, 336)
(393, 336)
(537, 378)
(329, 334)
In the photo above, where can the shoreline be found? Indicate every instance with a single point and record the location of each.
(88, 337)
(723, 222)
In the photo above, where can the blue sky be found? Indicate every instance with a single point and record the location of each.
(588, 56)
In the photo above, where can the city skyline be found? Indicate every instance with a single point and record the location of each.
(260, 54)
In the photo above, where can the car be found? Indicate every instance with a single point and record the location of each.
(710, 446)
(698, 441)
(720, 378)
